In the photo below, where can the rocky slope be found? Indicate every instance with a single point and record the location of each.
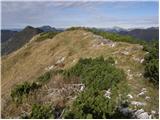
(65, 49)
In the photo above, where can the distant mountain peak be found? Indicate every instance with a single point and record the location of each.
(47, 28)
(29, 27)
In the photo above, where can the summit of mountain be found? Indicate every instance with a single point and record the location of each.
(47, 28)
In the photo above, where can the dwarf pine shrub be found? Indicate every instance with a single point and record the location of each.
(41, 112)
(22, 90)
(46, 35)
(98, 75)
(45, 77)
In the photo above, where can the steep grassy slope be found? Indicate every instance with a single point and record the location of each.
(65, 49)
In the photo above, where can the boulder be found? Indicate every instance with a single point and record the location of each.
(134, 114)
(144, 116)
(142, 60)
(113, 45)
(138, 112)
(135, 103)
(82, 88)
(125, 52)
(141, 114)
(141, 94)
(126, 111)
(138, 74)
(130, 96)
(107, 93)
(153, 112)
(147, 98)
(60, 60)
(144, 89)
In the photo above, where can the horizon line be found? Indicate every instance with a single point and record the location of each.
(81, 26)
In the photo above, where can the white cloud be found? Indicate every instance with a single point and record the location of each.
(39, 13)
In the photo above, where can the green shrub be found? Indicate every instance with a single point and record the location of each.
(89, 116)
(42, 112)
(111, 60)
(25, 88)
(45, 77)
(152, 62)
(22, 90)
(152, 70)
(46, 35)
(75, 28)
(93, 104)
(98, 75)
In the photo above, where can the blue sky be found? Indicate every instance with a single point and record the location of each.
(92, 14)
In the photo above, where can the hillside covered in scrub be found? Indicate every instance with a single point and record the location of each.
(81, 73)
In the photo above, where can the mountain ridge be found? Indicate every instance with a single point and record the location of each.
(63, 51)
(148, 34)
(47, 28)
(6, 35)
(19, 39)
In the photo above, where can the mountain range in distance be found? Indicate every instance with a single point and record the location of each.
(18, 39)
(146, 34)
(6, 34)
(13, 39)
(45, 28)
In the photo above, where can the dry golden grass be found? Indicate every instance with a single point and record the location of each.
(57, 92)
(31, 60)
